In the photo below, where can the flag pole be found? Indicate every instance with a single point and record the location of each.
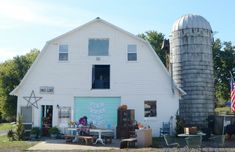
(231, 75)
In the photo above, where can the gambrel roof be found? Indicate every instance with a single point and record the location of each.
(15, 91)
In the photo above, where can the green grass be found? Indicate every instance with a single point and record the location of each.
(6, 126)
(6, 145)
(223, 110)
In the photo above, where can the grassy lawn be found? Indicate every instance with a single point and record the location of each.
(6, 145)
(223, 110)
(6, 126)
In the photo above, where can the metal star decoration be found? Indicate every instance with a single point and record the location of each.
(32, 100)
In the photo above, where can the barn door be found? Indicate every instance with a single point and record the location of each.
(27, 116)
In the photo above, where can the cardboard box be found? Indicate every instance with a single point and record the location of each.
(190, 130)
(144, 137)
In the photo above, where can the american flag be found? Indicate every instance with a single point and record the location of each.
(232, 91)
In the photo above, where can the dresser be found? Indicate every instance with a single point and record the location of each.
(144, 137)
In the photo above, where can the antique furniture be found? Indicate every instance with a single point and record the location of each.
(144, 137)
(125, 124)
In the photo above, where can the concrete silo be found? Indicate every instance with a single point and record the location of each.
(192, 66)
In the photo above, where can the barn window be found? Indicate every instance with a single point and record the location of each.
(131, 52)
(101, 77)
(150, 108)
(63, 52)
(98, 47)
(64, 112)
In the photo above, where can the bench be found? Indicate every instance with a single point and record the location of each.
(128, 143)
(107, 136)
(69, 138)
(88, 140)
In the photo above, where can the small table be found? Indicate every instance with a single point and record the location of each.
(191, 135)
(99, 131)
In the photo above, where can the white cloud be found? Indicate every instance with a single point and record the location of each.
(35, 12)
(9, 53)
(15, 11)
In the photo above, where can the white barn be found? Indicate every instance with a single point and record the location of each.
(91, 71)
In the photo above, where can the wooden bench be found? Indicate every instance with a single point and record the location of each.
(69, 138)
(88, 140)
(107, 136)
(128, 143)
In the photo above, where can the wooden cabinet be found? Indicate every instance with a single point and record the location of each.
(144, 137)
(125, 123)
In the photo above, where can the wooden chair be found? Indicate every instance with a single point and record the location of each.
(87, 140)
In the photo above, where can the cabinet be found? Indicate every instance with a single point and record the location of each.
(144, 137)
(125, 123)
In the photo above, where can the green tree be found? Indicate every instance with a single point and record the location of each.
(224, 62)
(156, 39)
(11, 73)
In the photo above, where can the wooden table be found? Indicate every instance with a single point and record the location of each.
(99, 131)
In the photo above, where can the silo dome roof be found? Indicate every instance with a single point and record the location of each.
(191, 21)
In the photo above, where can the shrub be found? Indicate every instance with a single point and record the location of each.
(20, 128)
(35, 131)
(54, 130)
(11, 135)
(179, 125)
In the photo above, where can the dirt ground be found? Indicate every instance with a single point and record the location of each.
(159, 146)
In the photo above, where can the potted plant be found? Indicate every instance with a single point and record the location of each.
(54, 131)
(71, 124)
(35, 133)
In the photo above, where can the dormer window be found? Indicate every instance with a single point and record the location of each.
(98, 47)
(63, 52)
(132, 52)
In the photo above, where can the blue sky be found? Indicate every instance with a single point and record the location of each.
(27, 24)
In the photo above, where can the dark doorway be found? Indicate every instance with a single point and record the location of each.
(47, 115)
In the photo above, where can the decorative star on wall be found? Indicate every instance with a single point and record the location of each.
(32, 100)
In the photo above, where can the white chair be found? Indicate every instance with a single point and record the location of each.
(170, 141)
(194, 142)
(218, 140)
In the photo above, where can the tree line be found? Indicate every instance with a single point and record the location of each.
(12, 71)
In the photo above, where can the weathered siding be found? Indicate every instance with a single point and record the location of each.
(191, 55)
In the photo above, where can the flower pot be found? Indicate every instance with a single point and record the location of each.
(53, 136)
(33, 136)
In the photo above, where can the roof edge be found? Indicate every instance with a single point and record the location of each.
(182, 92)
(98, 19)
(15, 91)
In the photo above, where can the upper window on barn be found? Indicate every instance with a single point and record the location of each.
(98, 47)
(132, 52)
(63, 52)
(101, 77)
